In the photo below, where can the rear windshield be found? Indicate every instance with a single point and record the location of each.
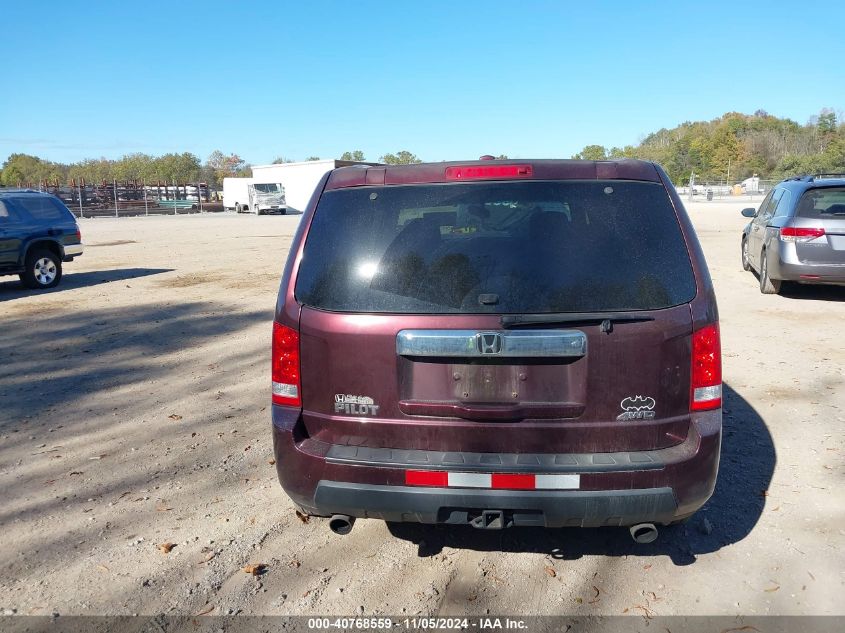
(822, 203)
(44, 208)
(496, 247)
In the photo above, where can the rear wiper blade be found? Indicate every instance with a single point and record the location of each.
(607, 319)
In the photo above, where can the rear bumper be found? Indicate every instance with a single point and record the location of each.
(519, 508)
(613, 488)
(69, 251)
(787, 267)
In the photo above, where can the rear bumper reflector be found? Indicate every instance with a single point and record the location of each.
(493, 481)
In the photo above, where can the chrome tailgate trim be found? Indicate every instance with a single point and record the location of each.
(492, 344)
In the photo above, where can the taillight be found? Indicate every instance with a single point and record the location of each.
(285, 366)
(78, 234)
(800, 234)
(491, 172)
(706, 375)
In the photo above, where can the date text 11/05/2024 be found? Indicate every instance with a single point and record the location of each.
(418, 623)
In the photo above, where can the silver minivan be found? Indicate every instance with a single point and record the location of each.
(798, 233)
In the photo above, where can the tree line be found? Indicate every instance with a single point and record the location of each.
(26, 170)
(726, 149)
(23, 169)
(736, 146)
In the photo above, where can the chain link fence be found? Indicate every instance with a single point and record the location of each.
(134, 198)
(750, 189)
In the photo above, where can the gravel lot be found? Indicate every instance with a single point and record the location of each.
(134, 412)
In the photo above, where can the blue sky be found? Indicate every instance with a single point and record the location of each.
(445, 80)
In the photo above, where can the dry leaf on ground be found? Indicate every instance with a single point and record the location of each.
(256, 569)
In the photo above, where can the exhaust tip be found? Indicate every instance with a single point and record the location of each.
(341, 524)
(643, 533)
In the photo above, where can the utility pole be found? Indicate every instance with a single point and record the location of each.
(114, 182)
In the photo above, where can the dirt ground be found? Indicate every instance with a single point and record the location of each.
(134, 412)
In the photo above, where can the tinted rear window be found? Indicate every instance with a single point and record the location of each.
(43, 208)
(822, 203)
(496, 247)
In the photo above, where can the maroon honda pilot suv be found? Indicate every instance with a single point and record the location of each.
(497, 343)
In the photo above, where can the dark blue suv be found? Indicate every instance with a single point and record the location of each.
(37, 233)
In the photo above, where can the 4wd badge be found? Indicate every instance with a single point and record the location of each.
(354, 405)
(637, 408)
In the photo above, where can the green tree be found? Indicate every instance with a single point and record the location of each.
(134, 167)
(357, 155)
(400, 158)
(310, 158)
(220, 166)
(826, 121)
(279, 160)
(181, 168)
(24, 169)
(629, 151)
(592, 152)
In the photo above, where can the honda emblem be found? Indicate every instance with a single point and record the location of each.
(489, 342)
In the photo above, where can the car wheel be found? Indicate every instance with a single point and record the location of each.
(43, 270)
(767, 286)
(746, 263)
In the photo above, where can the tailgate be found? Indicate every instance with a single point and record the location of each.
(406, 382)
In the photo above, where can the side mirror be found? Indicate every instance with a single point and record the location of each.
(750, 212)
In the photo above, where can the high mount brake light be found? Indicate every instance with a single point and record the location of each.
(285, 366)
(706, 374)
(488, 172)
(800, 234)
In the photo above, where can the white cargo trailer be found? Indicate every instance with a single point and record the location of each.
(298, 179)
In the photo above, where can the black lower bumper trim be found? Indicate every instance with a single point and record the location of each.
(547, 508)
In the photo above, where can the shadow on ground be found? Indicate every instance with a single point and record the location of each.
(10, 290)
(747, 463)
(77, 381)
(89, 351)
(819, 292)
